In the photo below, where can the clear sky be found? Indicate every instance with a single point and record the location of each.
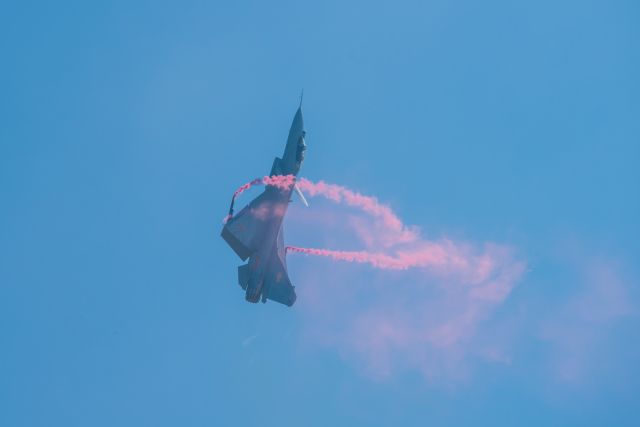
(126, 126)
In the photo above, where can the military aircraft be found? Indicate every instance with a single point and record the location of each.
(256, 231)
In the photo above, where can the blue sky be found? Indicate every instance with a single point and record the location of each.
(128, 125)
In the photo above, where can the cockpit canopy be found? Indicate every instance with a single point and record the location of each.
(300, 149)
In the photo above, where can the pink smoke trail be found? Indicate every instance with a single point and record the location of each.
(247, 186)
(283, 182)
(368, 204)
(434, 328)
(426, 257)
(340, 194)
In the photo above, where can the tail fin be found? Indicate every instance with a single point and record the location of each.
(243, 276)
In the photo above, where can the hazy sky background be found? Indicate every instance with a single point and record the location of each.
(127, 126)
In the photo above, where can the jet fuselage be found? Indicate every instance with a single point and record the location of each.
(256, 232)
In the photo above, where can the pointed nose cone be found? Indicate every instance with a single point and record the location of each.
(293, 153)
(298, 121)
(297, 126)
(296, 130)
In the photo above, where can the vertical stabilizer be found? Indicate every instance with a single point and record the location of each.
(243, 276)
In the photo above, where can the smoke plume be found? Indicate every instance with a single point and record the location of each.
(425, 316)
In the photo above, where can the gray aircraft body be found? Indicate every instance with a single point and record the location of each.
(256, 231)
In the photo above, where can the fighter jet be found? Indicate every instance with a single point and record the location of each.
(256, 231)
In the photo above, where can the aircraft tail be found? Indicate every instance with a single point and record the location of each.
(278, 287)
(243, 276)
